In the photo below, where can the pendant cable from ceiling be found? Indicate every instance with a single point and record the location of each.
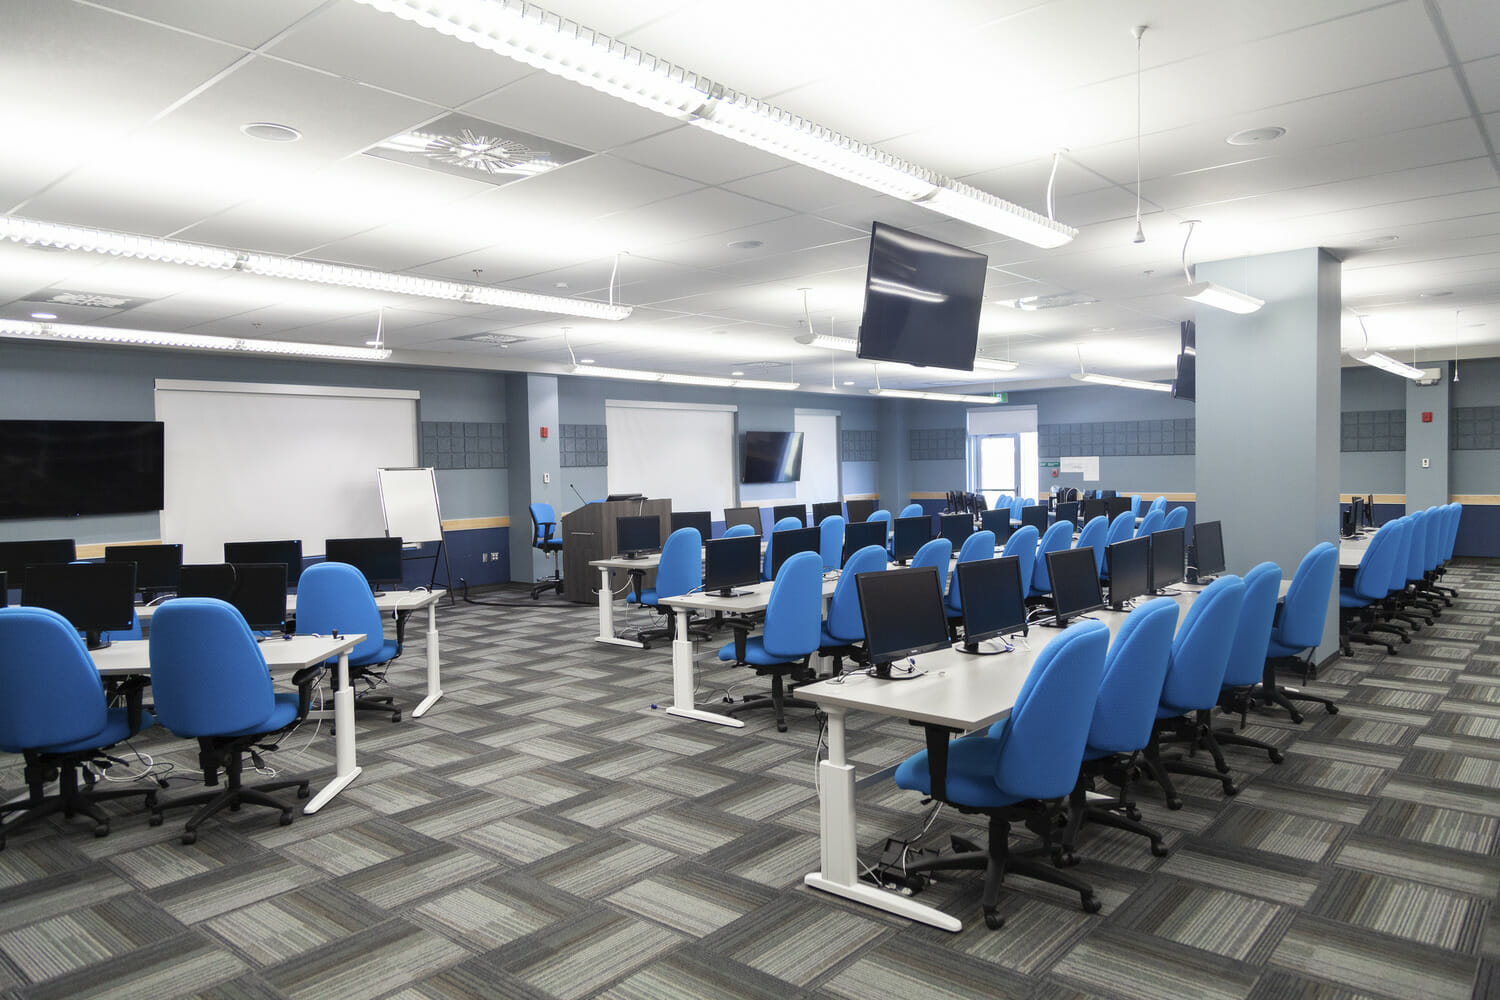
(1190, 223)
(571, 356)
(1455, 344)
(1138, 31)
(379, 342)
(1052, 184)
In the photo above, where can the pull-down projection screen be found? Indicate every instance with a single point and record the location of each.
(251, 462)
(684, 453)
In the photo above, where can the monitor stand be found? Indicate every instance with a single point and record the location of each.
(731, 592)
(985, 647)
(95, 640)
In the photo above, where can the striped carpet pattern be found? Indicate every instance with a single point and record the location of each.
(546, 832)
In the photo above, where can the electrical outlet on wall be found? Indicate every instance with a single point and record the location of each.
(1426, 463)
(546, 478)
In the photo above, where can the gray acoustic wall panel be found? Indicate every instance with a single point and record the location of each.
(860, 446)
(1475, 428)
(462, 444)
(584, 446)
(938, 444)
(1372, 430)
(1118, 438)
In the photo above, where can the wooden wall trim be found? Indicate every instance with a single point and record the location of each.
(1477, 499)
(1379, 497)
(472, 523)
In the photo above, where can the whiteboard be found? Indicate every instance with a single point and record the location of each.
(409, 500)
(684, 452)
(253, 462)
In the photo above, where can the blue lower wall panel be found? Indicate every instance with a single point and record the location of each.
(1478, 531)
(480, 555)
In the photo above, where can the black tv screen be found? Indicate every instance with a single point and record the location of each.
(772, 457)
(1185, 386)
(922, 301)
(67, 468)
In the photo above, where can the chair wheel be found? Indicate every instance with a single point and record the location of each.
(1091, 904)
(102, 830)
(1333, 710)
(1229, 788)
(1132, 813)
(286, 818)
(781, 727)
(1159, 849)
(1222, 768)
(395, 716)
(1296, 718)
(993, 920)
(156, 819)
(1068, 860)
(189, 837)
(1276, 756)
(1174, 803)
(303, 791)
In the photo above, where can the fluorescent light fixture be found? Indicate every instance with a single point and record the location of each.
(1032, 303)
(942, 397)
(1389, 364)
(103, 241)
(696, 380)
(849, 344)
(549, 42)
(825, 341)
(994, 365)
(641, 375)
(24, 329)
(599, 371)
(1209, 294)
(1124, 383)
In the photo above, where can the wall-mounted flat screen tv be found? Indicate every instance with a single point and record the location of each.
(66, 468)
(922, 301)
(771, 457)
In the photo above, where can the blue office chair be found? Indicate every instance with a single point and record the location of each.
(1298, 628)
(1023, 769)
(979, 545)
(1154, 520)
(1195, 674)
(1433, 557)
(1245, 668)
(55, 715)
(883, 515)
(210, 683)
(334, 597)
(1121, 529)
(1092, 537)
(546, 536)
(785, 524)
(912, 510)
(1124, 714)
(1361, 601)
(1058, 537)
(1160, 503)
(831, 541)
(1022, 544)
(679, 572)
(937, 553)
(1452, 514)
(737, 530)
(1176, 518)
(1135, 505)
(793, 628)
(1414, 607)
(844, 629)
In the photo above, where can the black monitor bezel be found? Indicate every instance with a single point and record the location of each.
(73, 580)
(799, 511)
(852, 530)
(1158, 585)
(915, 591)
(1119, 594)
(997, 521)
(745, 553)
(1215, 530)
(955, 521)
(971, 579)
(16, 555)
(703, 520)
(1077, 508)
(823, 511)
(240, 575)
(1083, 557)
(1038, 521)
(642, 531)
(266, 552)
(798, 539)
(859, 510)
(902, 530)
(157, 572)
(382, 546)
(744, 515)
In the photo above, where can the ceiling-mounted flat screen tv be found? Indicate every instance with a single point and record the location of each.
(922, 301)
(1185, 386)
(771, 457)
(66, 468)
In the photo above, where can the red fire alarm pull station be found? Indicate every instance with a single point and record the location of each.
(544, 433)
(1426, 419)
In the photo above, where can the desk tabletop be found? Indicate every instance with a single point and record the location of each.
(134, 656)
(749, 599)
(385, 600)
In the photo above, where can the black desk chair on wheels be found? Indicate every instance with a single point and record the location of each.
(544, 536)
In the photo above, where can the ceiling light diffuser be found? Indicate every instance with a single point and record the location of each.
(942, 397)
(641, 375)
(1388, 364)
(196, 341)
(1209, 294)
(1124, 383)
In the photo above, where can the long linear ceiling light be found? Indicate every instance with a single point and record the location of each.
(103, 241)
(565, 48)
(942, 397)
(1124, 383)
(1385, 362)
(1209, 294)
(641, 375)
(827, 342)
(27, 330)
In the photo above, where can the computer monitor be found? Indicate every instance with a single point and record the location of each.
(624, 496)
(93, 597)
(1069, 512)
(4, 588)
(1036, 516)
(379, 559)
(156, 566)
(955, 528)
(16, 556)
(822, 511)
(1117, 506)
(1167, 557)
(287, 552)
(785, 544)
(1129, 565)
(997, 521)
(902, 611)
(859, 534)
(1108, 494)
(1369, 510)
(700, 519)
(1347, 520)
(797, 510)
(1075, 583)
(1208, 550)
(1356, 514)
(257, 590)
(729, 563)
(993, 605)
(636, 536)
(1094, 508)
(911, 533)
(859, 510)
(742, 515)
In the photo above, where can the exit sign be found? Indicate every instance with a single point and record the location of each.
(999, 397)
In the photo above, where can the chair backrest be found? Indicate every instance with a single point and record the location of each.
(1121, 529)
(1252, 633)
(335, 596)
(980, 545)
(794, 611)
(1134, 672)
(1176, 518)
(938, 552)
(208, 676)
(1045, 736)
(52, 691)
(1372, 580)
(1200, 650)
(1022, 544)
(1058, 537)
(831, 540)
(1397, 579)
(882, 515)
(1153, 521)
(1305, 607)
(1160, 503)
(1135, 505)
(844, 621)
(911, 510)
(1455, 515)
(1092, 536)
(785, 524)
(1416, 551)
(1436, 523)
(736, 530)
(681, 568)
(543, 524)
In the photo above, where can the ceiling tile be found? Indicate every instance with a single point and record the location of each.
(246, 24)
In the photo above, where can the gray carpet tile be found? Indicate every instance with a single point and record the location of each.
(547, 832)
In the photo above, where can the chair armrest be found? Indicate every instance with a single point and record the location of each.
(306, 679)
(637, 578)
(133, 688)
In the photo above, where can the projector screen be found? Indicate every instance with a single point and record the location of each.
(684, 453)
(248, 462)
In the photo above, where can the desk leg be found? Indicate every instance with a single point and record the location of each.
(840, 857)
(682, 677)
(434, 679)
(607, 615)
(345, 770)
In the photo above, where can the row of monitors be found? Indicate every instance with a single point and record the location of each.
(158, 567)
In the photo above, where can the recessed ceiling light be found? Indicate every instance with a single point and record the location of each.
(850, 382)
(1439, 294)
(1375, 241)
(1251, 136)
(1102, 329)
(746, 245)
(736, 374)
(44, 315)
(270, 132)
(585, 361)
(561, 284)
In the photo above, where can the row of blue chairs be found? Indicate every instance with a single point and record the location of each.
(1396, 581)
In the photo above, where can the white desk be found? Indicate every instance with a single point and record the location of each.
(134, 657)
(1352, 550)
(607, 598)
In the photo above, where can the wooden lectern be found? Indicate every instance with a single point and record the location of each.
(588, 533)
